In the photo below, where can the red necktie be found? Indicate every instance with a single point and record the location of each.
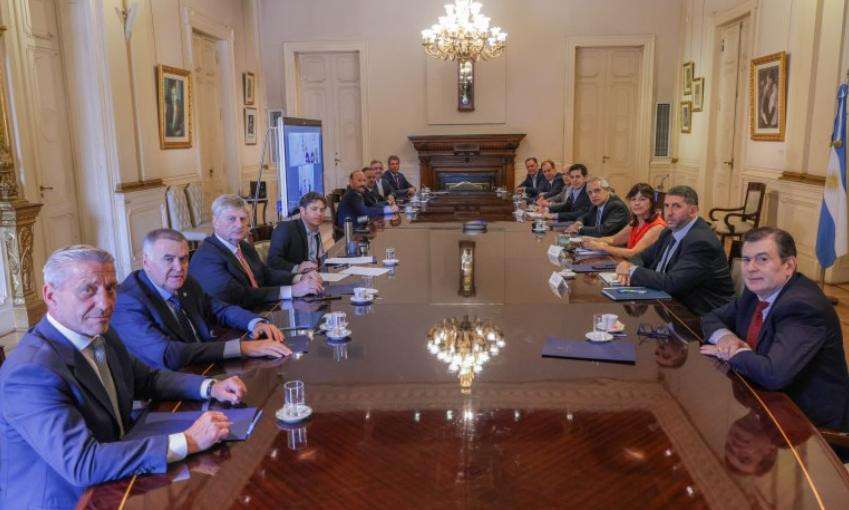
(755, 325)
(246, 267)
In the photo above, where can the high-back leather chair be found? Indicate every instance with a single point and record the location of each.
(333, 199)
(737, 221)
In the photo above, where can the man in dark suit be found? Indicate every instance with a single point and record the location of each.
(377, 166)
(552, 182)
(371, 194)
(607, 215)
(576, 201)
(687, 260)
(782, 332)
(394, 181)
(167, 320)
(229, 268)
(68, 388)
(533, 179)
(296, 244)
(353, 205)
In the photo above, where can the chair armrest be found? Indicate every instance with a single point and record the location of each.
(721, 209)
(835, 437)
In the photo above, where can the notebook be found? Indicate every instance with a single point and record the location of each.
(593, 268)
(610, 279)
(298, 343)
(607, 352)
(634, 293)
(155, 423)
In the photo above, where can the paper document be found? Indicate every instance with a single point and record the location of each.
(350, 260)
(365, 271)
(332, 277)
(583, 252)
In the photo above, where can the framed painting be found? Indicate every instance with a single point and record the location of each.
(698, 94)
(249, 88)
(273, 115)
(174, 95)
(688, 71)
(768, 97)
(686, 116)
(250, 126)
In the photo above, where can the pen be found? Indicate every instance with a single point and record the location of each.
(632, 291)
(321, 298)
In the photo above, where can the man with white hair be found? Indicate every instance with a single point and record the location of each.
(608, 213)
(165, 318)
(67, 391)
(229, 268)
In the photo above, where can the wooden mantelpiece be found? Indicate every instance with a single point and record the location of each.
(487, 159)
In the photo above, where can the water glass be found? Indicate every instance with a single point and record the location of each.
(336, 320)
(363, 249)
(599, 323)
(294, 403)
(390, 254)
(297, 439)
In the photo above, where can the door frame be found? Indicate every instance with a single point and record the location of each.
(230, 89)
(707, 161)
(645, 102)
(290, 79)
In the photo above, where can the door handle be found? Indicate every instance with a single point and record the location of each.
(45, 188)
(604, 159)
(211, 171)
(729, 163)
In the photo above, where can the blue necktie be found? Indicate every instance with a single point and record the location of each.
(183, 317)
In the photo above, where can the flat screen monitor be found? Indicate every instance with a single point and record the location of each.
(302, 171)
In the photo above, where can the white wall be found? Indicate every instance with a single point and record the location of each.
(396, 62)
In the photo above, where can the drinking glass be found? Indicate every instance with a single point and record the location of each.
(390, 254)
(293, 392)
(599, 323)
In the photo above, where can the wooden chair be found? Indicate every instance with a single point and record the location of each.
(659, 197)
(333, 199)
(735, 265)
(739, 220)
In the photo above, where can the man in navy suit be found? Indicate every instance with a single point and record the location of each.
(687, 260)
(576, 202)
(371, 194)
(67, 391)
(608, 213)
(533, 179)
(229, 268)
(377, 166)
(296, 244)
(552, 182)
(394, 181)
(782, 332)
(166, 319)
(353, 204)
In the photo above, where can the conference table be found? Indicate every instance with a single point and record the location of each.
(392, 427)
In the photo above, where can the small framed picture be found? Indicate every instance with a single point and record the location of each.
(250, 126)
(687, 73)
(768, 97)
(686, 116)
(273, 115)
(249, 88)
(174, 98)
(698, 93)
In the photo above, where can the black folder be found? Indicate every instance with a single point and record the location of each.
(155, 423)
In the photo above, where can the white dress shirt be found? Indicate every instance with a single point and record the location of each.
(721, 332)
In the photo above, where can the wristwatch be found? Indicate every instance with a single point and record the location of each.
(209, 389)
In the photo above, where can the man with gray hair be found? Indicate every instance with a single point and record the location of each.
(607, 215)
(166, 319)
(67, 391)
(229, 268)
(686, 261)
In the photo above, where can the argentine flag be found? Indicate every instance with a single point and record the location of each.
(832, 234)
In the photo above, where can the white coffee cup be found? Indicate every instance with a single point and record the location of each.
(361, 293)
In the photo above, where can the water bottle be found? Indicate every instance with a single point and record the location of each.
(350, 243)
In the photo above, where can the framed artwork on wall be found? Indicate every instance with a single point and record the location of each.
(249, 87)
(688, 71)
(174, 98)
(698, 94)
(250, 126)
(686, 116)
(768, 97)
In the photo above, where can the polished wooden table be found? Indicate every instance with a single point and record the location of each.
(392, 429)
(465, 206)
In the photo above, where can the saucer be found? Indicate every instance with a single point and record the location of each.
(540, 230)
(366, 300)
(338, 334)
(390, 262)
(287, 417)
(599, 336)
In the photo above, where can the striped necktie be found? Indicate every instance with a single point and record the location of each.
(246, 267)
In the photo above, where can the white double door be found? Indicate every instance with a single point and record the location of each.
(607, 91)
(329, 90)
(210, 124)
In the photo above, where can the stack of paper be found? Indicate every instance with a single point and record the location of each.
(365, 271)
(350, 260)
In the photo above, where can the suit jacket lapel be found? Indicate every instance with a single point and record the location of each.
(124, 393)
(302, 231)
(163, 309)
(79, 366)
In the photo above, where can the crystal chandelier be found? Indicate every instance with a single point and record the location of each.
(463, 34)
(465, 345)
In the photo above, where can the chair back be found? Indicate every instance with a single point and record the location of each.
(735, 264)
(755, 192)
(197, 204)
(178, 209)
(262, 248)
(333, 199)
(659, 197)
